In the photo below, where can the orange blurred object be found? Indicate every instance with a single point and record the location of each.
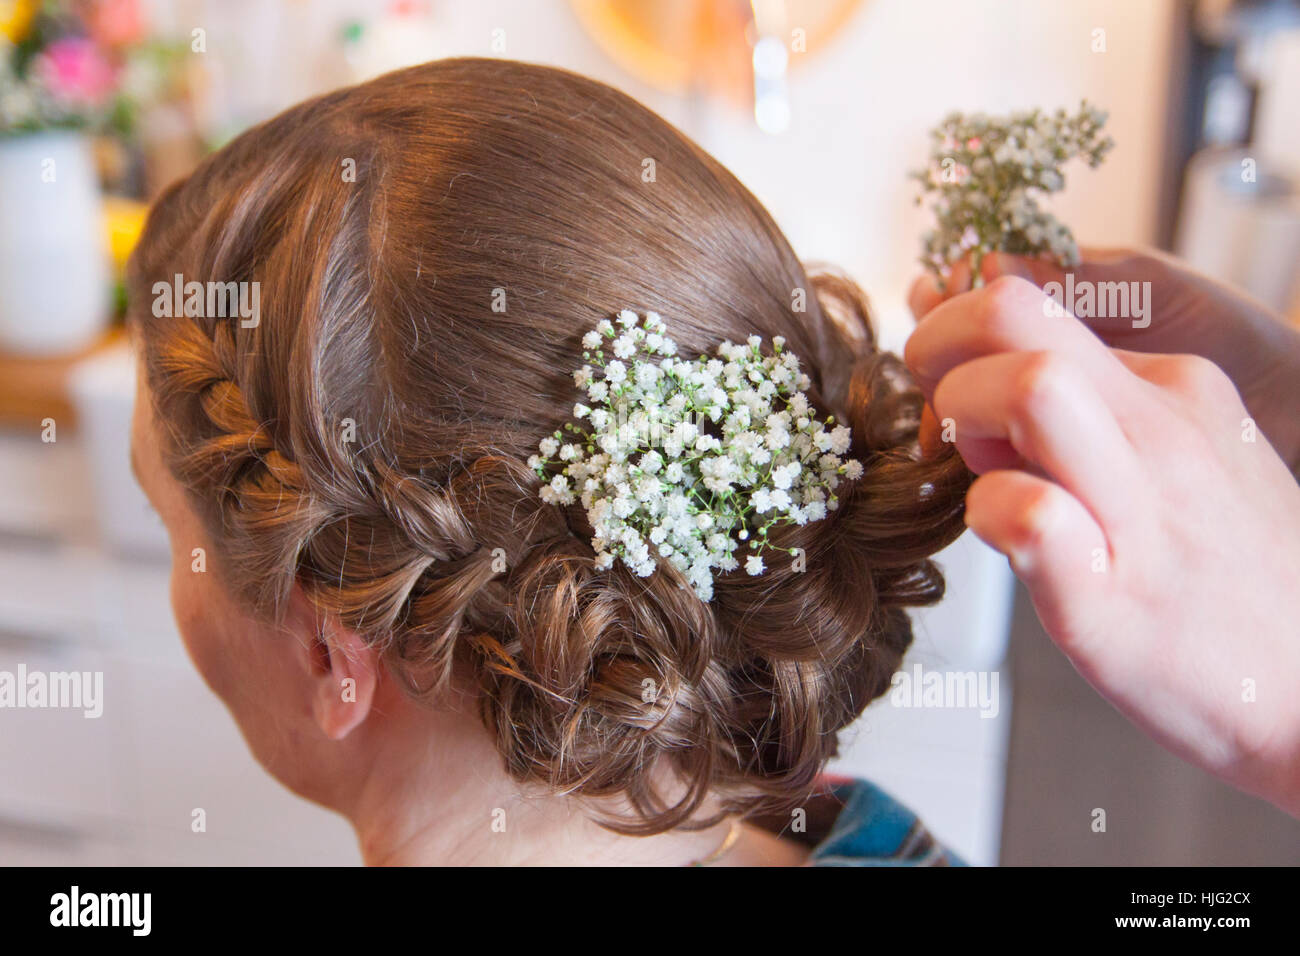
(683, 46)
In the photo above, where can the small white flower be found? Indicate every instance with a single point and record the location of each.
(624, 346)
(783, 476)
(668, 459)
(776, 439)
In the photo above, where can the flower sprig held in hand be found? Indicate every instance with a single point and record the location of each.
(688, 458)
(986, 174)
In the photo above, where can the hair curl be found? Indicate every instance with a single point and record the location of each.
(477, 182)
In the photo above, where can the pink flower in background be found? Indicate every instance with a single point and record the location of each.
(115, 23)
(74, 70)
(409, 8)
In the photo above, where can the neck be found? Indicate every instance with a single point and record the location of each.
(433, 791)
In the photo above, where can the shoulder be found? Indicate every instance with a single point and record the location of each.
(871, 828)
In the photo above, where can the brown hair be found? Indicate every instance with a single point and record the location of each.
(478, 179)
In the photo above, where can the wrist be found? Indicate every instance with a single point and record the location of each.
(1273, 398)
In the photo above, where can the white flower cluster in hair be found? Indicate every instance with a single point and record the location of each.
(685, 459)
(986, 174)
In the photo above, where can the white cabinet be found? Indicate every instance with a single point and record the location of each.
(120, 788)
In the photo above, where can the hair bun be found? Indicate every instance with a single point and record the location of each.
(365, 442)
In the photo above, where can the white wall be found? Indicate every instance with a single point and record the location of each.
(836, 182)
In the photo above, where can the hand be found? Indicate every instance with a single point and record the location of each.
(1159, 542)
(1188, 313)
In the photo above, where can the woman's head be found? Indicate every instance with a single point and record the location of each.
(429, 249)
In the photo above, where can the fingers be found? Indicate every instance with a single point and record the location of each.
(924, 295)
(1098, 266)
(1191, 383)
(1053, 544)
(1037, 408)
(1125, 288)
(1010, 314)
(930, 433)
(926, 291)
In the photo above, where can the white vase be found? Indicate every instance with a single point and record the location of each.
(54, 271)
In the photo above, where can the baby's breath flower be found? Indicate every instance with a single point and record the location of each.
(986, 174)
(691, 458)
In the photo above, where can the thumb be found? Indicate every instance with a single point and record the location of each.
(1135, 275)
(1097, 265)
(1037, 270)
(928, 291)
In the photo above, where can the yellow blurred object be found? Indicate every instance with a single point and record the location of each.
(683, 45)
(123, 221)
(16, 18)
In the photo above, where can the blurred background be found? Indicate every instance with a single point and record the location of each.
(821, 107)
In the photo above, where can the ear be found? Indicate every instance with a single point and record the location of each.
(342, 671)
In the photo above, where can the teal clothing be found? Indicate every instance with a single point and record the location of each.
(854, 823)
